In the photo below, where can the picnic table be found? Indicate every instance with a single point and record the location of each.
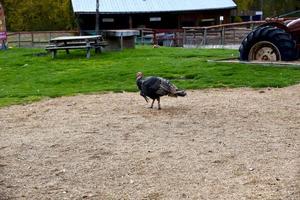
(76, 42)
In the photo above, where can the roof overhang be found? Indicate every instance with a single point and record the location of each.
(178, 11)
(149, 6)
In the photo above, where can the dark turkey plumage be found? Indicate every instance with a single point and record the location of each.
(155, 87)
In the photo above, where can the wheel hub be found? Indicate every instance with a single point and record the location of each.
(266, 54)
(264, 51)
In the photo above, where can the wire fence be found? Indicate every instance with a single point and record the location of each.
(189, 37)
(194, 37)
(35, 39)
(219, 35)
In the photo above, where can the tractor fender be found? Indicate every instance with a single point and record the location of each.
(276, 24)
(294, 26)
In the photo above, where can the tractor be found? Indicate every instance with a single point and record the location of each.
(276, 40)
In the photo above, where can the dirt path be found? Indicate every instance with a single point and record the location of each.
(212, 144)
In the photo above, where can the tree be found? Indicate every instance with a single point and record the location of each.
(244, 4)
(273, 8)
(270, 8)
(38, 15)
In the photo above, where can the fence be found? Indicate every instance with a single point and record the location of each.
(162, 37)
(35, 39)
(211, 36)
(219, 35)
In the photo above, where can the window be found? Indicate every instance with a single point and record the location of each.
(108, 20)
(155, 19)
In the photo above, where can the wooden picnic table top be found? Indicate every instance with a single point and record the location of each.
(76, 38)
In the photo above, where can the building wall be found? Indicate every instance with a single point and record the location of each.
(153, 20)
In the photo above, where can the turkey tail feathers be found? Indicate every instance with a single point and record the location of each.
(181, 93)
(177, 93)
(171, 89)
(160, 87)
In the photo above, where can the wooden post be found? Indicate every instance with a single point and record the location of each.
(233, 35)
(67, 50)
(155, 37)
(121, 41)
(53, 53)
(19, 39)
(142, 37)
(32, 40)
(204, 36)
(88, 52)
(183, 39)
(97, 18)
(223, 35)
(49, 36)
(88, 49)
(194, 38)
(175, 39)
(252, 26)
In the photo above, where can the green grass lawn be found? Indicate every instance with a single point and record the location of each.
(26, 77)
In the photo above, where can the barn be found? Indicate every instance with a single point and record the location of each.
(157, 14)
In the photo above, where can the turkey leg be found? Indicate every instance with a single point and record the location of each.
(152, 103)
(158, 103)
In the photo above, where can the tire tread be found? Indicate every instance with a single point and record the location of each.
(281, 39)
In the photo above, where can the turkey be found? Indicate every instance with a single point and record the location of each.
(155, 87)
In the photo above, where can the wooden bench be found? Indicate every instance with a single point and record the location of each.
(76, 42)
(53, 49)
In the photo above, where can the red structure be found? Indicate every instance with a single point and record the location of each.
(3, 34)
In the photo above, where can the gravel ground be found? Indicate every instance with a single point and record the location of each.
(212, 144)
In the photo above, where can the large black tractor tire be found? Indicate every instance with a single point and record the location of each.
(268, 44)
